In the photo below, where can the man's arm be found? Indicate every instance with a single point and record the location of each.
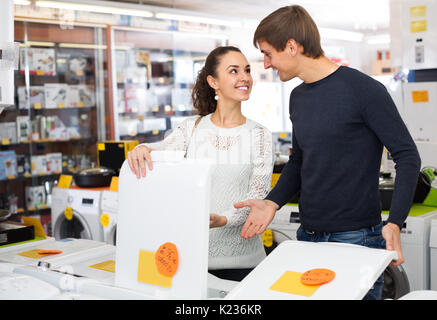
(262, 212)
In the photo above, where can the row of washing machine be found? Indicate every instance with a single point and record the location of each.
(418, 241)
(84, 213)
(92, 214)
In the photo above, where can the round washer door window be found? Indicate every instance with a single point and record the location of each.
(76, 228)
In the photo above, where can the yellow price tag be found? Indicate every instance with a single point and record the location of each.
(418, 26)
(275, 178)
(65, 181)
(104, 219)
(155, 132)
(114, 184)
(420, 96)
(37, 105)
(68, 212)
(100, 147)
(36, 223)
(267, 238)
(39, 72)
(417, 11)
(61, 105)
(6, 141)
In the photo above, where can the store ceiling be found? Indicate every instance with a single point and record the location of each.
(368, 16)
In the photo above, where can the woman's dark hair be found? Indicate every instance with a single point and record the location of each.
(202, 94)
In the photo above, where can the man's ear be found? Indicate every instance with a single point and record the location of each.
(293, 47)
(212, 82)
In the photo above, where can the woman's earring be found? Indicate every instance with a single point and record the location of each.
(216, 96)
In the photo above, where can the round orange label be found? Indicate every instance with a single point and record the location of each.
(317, 277)
(167, 259)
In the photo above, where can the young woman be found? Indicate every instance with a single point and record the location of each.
(241, 149)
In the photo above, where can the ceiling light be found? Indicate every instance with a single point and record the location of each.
(22, 2)
(338, 34)
(198, 19)
(94, 8)
(82, 45)
(378, 39)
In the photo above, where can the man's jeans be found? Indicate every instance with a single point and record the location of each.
(368, 237)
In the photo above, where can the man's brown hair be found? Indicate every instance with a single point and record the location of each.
(290, 22)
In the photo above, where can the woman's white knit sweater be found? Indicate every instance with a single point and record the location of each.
(244, 163)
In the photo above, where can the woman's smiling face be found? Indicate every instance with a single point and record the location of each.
(233, 81)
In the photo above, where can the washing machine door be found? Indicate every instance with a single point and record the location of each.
(113, 235)
(396, 283)
(77, 227)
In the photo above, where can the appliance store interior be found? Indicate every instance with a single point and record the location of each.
(85, 84)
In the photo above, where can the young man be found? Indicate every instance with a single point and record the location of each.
(341, 120)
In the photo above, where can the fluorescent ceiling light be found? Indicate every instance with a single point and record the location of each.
(82, 45)
(378, 39)
(338, 34)
(198, 19)
(22, 2)
(94, 8)
(37, 43)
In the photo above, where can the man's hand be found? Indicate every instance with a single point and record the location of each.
(216, 221)
(136, 161)
(392, 235)
(261, 214)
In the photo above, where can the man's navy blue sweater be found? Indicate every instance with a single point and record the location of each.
(340, 125)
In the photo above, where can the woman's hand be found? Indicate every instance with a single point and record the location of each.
(137, 158)
(216, 221)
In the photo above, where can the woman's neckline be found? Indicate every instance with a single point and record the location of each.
(213, 124)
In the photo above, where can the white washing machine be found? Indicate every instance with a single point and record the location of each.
(415, 236)
(433, 253)
(73, 250)
(285, 225)
(108, 218)
(76, 213)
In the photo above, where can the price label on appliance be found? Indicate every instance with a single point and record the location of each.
(104, 219)
(68, 212)
(65, 181)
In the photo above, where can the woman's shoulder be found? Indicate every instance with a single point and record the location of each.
(258, 127)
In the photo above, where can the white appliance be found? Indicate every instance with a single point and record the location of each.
(108, 217)
(433, 253)
(415, 246)
(73, 250)
(419, 29)
(76, 213)
(284, 227)
(15, 286)
(356, 270)
(150, 225)
(420, 112)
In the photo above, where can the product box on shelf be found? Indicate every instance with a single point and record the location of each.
(23, 165)
(38, 165)
(24, 127)
(8, 164)
(56, 95)
(35, 98)
(77, 65)
(80, 96)
(40, 61)
(35, 197)
(8, 132)
(54, 162)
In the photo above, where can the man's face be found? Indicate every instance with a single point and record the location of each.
(282, 61)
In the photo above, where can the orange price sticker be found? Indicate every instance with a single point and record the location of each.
(167, 259)
(49, 251)
(315, 277)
